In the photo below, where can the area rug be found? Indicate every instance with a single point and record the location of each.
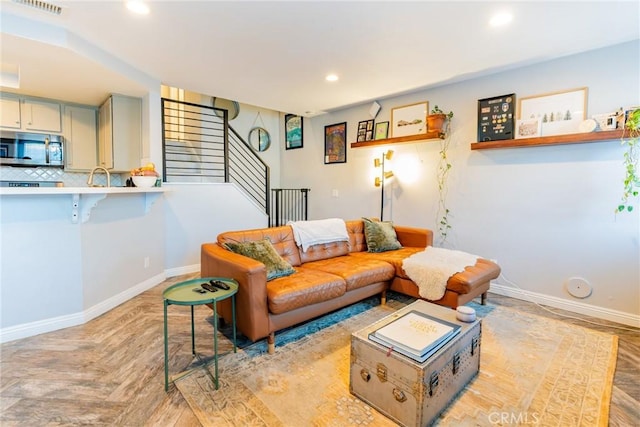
(533, 371)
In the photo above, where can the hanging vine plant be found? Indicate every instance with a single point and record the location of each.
(442, 175)
(630, 160)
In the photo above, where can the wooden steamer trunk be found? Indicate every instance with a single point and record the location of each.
(408, 392)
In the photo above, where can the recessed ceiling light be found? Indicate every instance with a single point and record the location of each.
(138, 7)
(331, 78)
(500, 19)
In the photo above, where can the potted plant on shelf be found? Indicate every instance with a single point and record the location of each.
(437, 118)
(631, 139)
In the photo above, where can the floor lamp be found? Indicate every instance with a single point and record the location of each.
(384, 175)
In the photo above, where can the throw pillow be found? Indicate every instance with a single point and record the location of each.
(380, 236)
(263, 251)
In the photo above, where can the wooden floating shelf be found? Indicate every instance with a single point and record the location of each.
(574, 138)
(399, 139)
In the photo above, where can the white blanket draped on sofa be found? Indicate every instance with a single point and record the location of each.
(432, 268)
(309, 233)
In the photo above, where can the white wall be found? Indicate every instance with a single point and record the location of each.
(55, 273)
(545, 213)
(196, 214)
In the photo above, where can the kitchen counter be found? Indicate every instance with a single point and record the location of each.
(12, 191)
(84, 199)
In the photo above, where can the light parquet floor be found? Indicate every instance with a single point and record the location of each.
(110, 371)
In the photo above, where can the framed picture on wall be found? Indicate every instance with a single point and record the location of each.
(293, 129)
(365, 130)
(382, 130)
(409, 119)
(335, 143)
(559, 112)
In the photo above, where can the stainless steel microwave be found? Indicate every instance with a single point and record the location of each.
(31, 149)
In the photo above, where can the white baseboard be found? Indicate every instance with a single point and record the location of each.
(573, 306)
(179, 271)
(55, 323)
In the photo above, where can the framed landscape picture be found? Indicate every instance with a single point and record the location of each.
(293, 128)
(409, 119)
(335, 143)
(559, 112)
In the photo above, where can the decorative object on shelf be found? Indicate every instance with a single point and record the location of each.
(259, 138)
(442, 176)
(384, 175)
(496, 117)
(365, 130)
(335, 143)
(232, 107)
(382, 130)
(436, 119)
(560, 112)
(293, 128)
(528, 128)
(589, 125)
(409, 119)
(631, 140)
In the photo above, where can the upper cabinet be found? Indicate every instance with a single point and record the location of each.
(81, 136)
(120, 133)
(27, 114)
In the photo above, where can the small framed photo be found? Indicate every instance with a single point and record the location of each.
(335, 143)
(365, 129)
(409, 119)
(528, 128)
(293, 131)
(560, 112)
(382, 130)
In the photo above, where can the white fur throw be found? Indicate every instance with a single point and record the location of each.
(431, 268)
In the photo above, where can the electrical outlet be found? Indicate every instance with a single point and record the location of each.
(146, 262)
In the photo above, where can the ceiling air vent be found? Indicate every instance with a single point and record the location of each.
(41, 5)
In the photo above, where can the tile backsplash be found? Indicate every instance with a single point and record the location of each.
(69, 179)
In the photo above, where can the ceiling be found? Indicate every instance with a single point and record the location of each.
(276, 54)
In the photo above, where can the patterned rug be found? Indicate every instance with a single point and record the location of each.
(533, 371)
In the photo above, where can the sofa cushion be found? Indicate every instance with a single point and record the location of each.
(263, 251)
(380, 236)
(324, 251)
(394, 258)
(356, 272)
(281, 238)
(303, 288)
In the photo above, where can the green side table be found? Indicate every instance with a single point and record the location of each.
(183, 294)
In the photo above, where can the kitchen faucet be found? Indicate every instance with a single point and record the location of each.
(90, 180)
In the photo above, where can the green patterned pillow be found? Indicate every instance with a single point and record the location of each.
(263, 251)
(380, 236)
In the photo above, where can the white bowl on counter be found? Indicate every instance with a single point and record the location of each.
(144, 181)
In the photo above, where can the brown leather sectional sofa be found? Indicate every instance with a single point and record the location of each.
(328, 277)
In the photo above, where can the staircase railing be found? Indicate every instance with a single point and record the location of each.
(198, 145)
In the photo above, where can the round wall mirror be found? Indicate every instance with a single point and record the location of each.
(231, 106)
(259, 139)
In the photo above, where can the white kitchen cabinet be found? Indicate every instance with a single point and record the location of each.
(10, 113)
(41, 116)
(28, 114)
(80, 138)
(120, 133)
